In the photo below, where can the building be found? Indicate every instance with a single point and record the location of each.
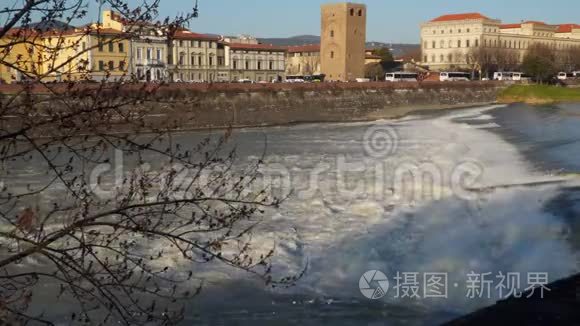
(370, 57)
(198, 58)
(473, 41)
(303, 60)
(119, 49)
(20, 55)
(343, 37)
(257, 62)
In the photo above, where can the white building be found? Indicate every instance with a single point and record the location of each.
(453, 41)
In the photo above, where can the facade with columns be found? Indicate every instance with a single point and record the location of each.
(450, 41)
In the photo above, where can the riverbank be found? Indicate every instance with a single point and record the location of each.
(216, 106)
(315, 103)
(538, 94)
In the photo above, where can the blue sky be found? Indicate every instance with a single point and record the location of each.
(388, 20)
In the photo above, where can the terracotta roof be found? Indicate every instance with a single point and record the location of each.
(304, 48)
(507, 26)
(567, 28)
(264, 47)
(189, 35)
(466, 16)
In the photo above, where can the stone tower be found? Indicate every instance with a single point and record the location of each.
(343, 38)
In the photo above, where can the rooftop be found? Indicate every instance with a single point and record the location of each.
(304, 48)
(465, 16)
(567, 28)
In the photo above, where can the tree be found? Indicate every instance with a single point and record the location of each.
(384, 53)
(374, 71)
(482, 59)
(540, 63)
(102, 252)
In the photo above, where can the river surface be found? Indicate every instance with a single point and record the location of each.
(497, 192)
(519, 223)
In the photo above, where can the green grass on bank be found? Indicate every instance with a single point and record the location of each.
(539, 94)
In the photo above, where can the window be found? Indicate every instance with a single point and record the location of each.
(180, 43)
(331, 33)
(476, 43)
(235, 64)
(84, 46)
(360, 13)
(442, 58)
(199, 61)
(101, 65)
(467, 43)
(149, 53)
(352, 12)
(191, 43)
(468, 30)
(271, 65)
(211, 61)
(434, 45)
(159, 54)
(181, 58)
(220, 61)
(139, 53)
(111, 47)
(196, 44)
(425, 58)
(192, 60)
(101, 45)
(332, 54)
(442, 44)
(442, 32)
(111, 65)
(458, 43)
(121, 47)
(122, 65)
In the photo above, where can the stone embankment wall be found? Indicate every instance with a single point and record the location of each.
(196, 106)
(260, 105)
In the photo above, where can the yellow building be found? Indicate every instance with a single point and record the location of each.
(303, 60)
(20, 56)
(343, 37)
(87, 53)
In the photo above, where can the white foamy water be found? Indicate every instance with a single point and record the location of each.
(341, 234)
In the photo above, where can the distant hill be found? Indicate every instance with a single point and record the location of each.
(291, 41)
(396, 48)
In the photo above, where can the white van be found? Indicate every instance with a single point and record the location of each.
(568, 75)
(454, 76)
(401, 77)
(507, 75)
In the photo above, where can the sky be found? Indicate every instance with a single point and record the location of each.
(394, 21)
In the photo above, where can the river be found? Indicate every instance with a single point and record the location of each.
(497, 193)
(342, 229)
